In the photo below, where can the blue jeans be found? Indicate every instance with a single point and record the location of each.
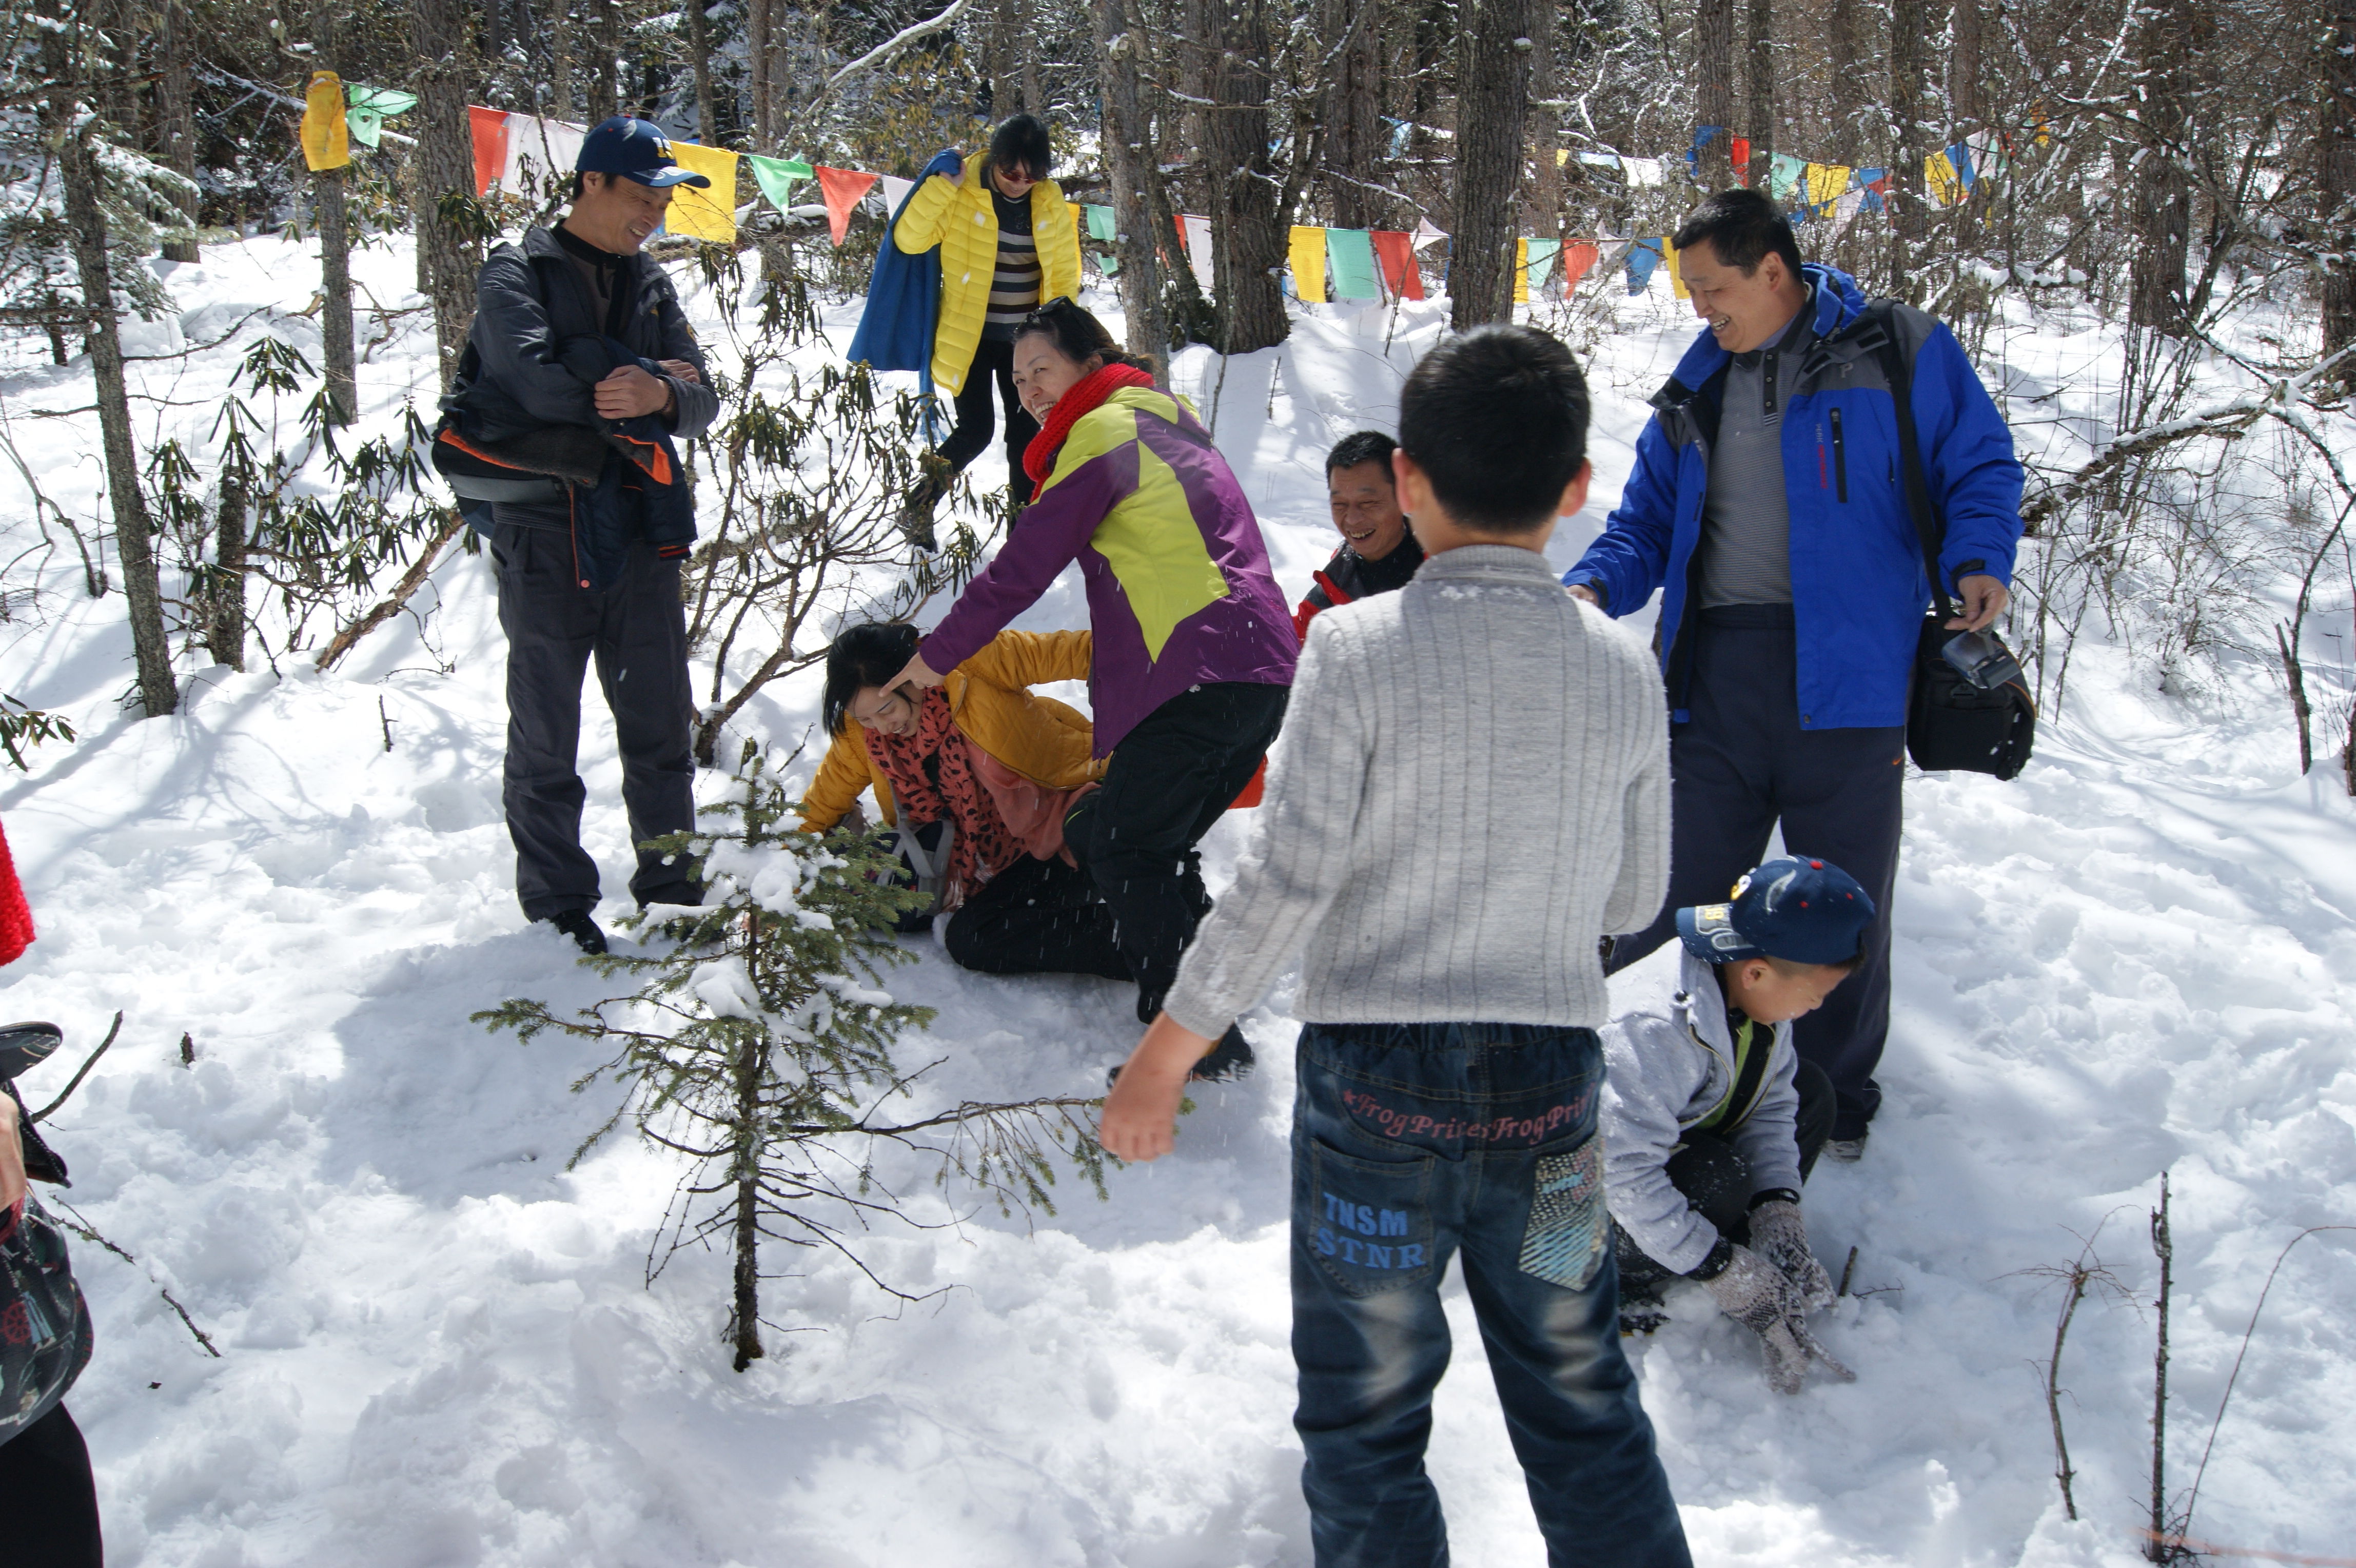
(1411, 1141)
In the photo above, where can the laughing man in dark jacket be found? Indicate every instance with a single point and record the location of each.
(1767, 506)
(575, 331)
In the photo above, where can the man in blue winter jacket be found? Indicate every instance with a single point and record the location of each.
(1768, 504)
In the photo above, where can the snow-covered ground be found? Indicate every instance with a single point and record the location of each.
(439, 1348)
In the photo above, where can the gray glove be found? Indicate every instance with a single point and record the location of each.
(1778, 1235)
(1754, 1292)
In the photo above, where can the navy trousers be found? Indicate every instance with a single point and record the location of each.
(636, 631)
(1414, 1142)
(1740, 764)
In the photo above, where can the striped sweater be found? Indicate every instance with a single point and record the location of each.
(1472, 786)
(1014, 288)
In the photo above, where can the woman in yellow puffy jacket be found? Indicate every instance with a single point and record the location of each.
(1009, 243)
(976, 774)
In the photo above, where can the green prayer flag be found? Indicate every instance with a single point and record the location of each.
(1784, 175)
(1350, 258)
(776, 178)
(1100, 223)
(1542, 255)
(365, 109)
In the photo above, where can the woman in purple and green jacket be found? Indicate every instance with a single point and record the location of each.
(1193, 645)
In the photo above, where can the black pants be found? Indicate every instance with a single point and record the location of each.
(1171, 777)
(48, 1500)
(1038, 916)
(1716, 1178)
(992, 362)
(637, 633)
(1741, 763)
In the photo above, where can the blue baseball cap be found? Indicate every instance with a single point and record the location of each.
(635, 149)
(1798, 909)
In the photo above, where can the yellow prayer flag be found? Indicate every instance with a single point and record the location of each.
(1826, 182)
(704, 214)
(1521, 272)
(1939, 174)
(1307, 256)
(1669, 260)
(327, 141)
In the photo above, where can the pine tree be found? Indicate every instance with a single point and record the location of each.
(759, 1047)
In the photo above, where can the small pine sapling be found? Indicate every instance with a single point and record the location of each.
(759, 1047)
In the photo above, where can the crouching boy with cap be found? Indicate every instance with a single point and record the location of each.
(1711, 1121)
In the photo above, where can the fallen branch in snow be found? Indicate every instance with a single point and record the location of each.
(2193, 1501)
(389, 605)
(2180, 1546)
(45, 1111)
(88, 1232)
(2082, 1274)
(2285, 401)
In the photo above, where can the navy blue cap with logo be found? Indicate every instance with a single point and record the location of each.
(1796, 909)
(635, 149)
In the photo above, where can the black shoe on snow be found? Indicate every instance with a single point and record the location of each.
(1228, 1060)
(916, 521)
(584, 930)
(1846, 1151)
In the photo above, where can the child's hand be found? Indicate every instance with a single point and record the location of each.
(1140, 1118)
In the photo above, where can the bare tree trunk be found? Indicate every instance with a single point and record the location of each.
(1492, 92)
(1129, 165)
(2162, 198)
(699, 48)
(133, 538)
(1851, 53)
(1714, 86)
(1247, 233)
(444, 164)
(759, 23)
(560, 51)
(1759, 90)
(1354, 112)
(1964, 68)
(1910, 25)
(1546, 198)
(224, 624)
(606, 31)
(744, 1326)
(2336, 179)
(495, 29)
(330, 217)
(176, 117)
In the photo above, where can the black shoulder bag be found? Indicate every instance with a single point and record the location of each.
(1980, 719)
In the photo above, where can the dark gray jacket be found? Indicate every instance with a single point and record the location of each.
(529, 303)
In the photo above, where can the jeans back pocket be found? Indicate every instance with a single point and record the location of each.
(1563, 1243)
(1367, 1223)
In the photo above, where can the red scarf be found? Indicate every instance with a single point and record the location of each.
(1087, 395)
(983, 845)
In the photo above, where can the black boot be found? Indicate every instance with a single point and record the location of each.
(584, 930)
(933, 477)
(1225, 1062)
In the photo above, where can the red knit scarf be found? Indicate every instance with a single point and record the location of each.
(1087, 395)
(983, 845)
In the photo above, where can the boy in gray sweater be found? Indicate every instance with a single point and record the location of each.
(1447, 922)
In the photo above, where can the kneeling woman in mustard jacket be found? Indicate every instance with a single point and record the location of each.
(995, 764)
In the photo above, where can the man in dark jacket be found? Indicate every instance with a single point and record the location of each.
(1768, 503)
(575, 331)
(1379, 553)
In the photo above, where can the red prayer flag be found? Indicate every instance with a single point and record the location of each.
(1577, 259)
(842, 188)
(1396, 254)
(1740, 152)
(490, 127)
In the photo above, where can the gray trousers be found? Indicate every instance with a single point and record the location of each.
(636, 632)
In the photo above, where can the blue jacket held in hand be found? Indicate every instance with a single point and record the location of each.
(1859, 586)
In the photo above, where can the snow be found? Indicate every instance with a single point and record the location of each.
(439, 1345)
